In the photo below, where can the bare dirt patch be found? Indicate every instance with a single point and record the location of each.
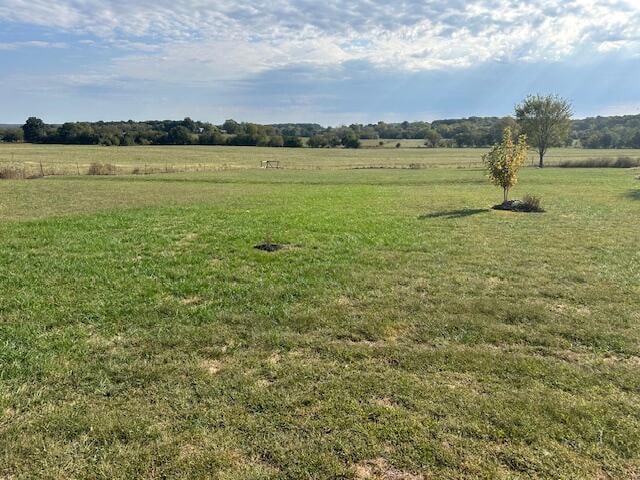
(270, 247)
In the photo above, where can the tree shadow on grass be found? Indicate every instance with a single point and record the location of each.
(633, 194)
(465, 212)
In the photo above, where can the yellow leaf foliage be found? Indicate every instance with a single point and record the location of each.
(504, 160)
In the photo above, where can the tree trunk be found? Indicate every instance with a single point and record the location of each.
(541, 164)
(506, 194)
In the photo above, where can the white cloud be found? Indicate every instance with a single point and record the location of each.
(31, 44)
(205, 40)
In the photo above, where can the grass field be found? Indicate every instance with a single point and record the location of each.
(74, 160)
(407, 332)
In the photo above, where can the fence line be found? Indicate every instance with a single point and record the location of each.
(10, 169)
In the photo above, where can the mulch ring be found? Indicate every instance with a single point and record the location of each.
(517, 206)
(270, 247)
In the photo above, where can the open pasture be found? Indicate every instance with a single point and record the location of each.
(406, 331)
(76, 159)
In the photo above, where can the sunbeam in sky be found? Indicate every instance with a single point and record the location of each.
(300, 60)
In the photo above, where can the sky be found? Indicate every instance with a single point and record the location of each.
(329, 62)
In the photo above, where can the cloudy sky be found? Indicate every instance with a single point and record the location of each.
(325, 61)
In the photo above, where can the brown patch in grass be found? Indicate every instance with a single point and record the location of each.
(195, 300)
(571, 309)
(188, 451)
(109, 344)
(592, 358)
(379, 469)
(274, 358)
(212, 366)
(631, 360)
(264, 383)
(9, 412)
(385, 402)
(366, 343)
(344, 301)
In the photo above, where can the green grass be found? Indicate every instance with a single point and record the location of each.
(407, 332)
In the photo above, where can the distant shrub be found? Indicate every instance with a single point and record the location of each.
(398, 145)
(101, 169)
(136, 171)
(620, 162)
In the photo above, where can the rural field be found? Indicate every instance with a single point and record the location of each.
(76, 159)
(406, 331)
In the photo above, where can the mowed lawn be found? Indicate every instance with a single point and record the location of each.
(407, 332)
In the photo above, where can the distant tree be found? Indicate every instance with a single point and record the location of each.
(34, 130)
(180, 136)
(276, 141)
(231, 126)
(431, 137)
(251, 129)
(350, 140)
(211, 136)
(11, 135)
(496, 131)
(262, 141)
(504, 161)
(317, 141)
(293, 142)
(189, 124)
(545, 120)
(333, 141)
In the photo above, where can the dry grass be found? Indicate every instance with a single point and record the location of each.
(379, 469)
(97, 168)
(9, 172)
(532, 203)
(620, 162)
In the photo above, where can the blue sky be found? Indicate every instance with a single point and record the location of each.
(329, 62)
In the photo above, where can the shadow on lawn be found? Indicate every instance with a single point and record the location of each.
(465, 212)
(633, 194)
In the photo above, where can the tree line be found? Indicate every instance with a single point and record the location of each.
(598, 132)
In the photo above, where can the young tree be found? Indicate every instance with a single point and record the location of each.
(504, 160)
(545, 120)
